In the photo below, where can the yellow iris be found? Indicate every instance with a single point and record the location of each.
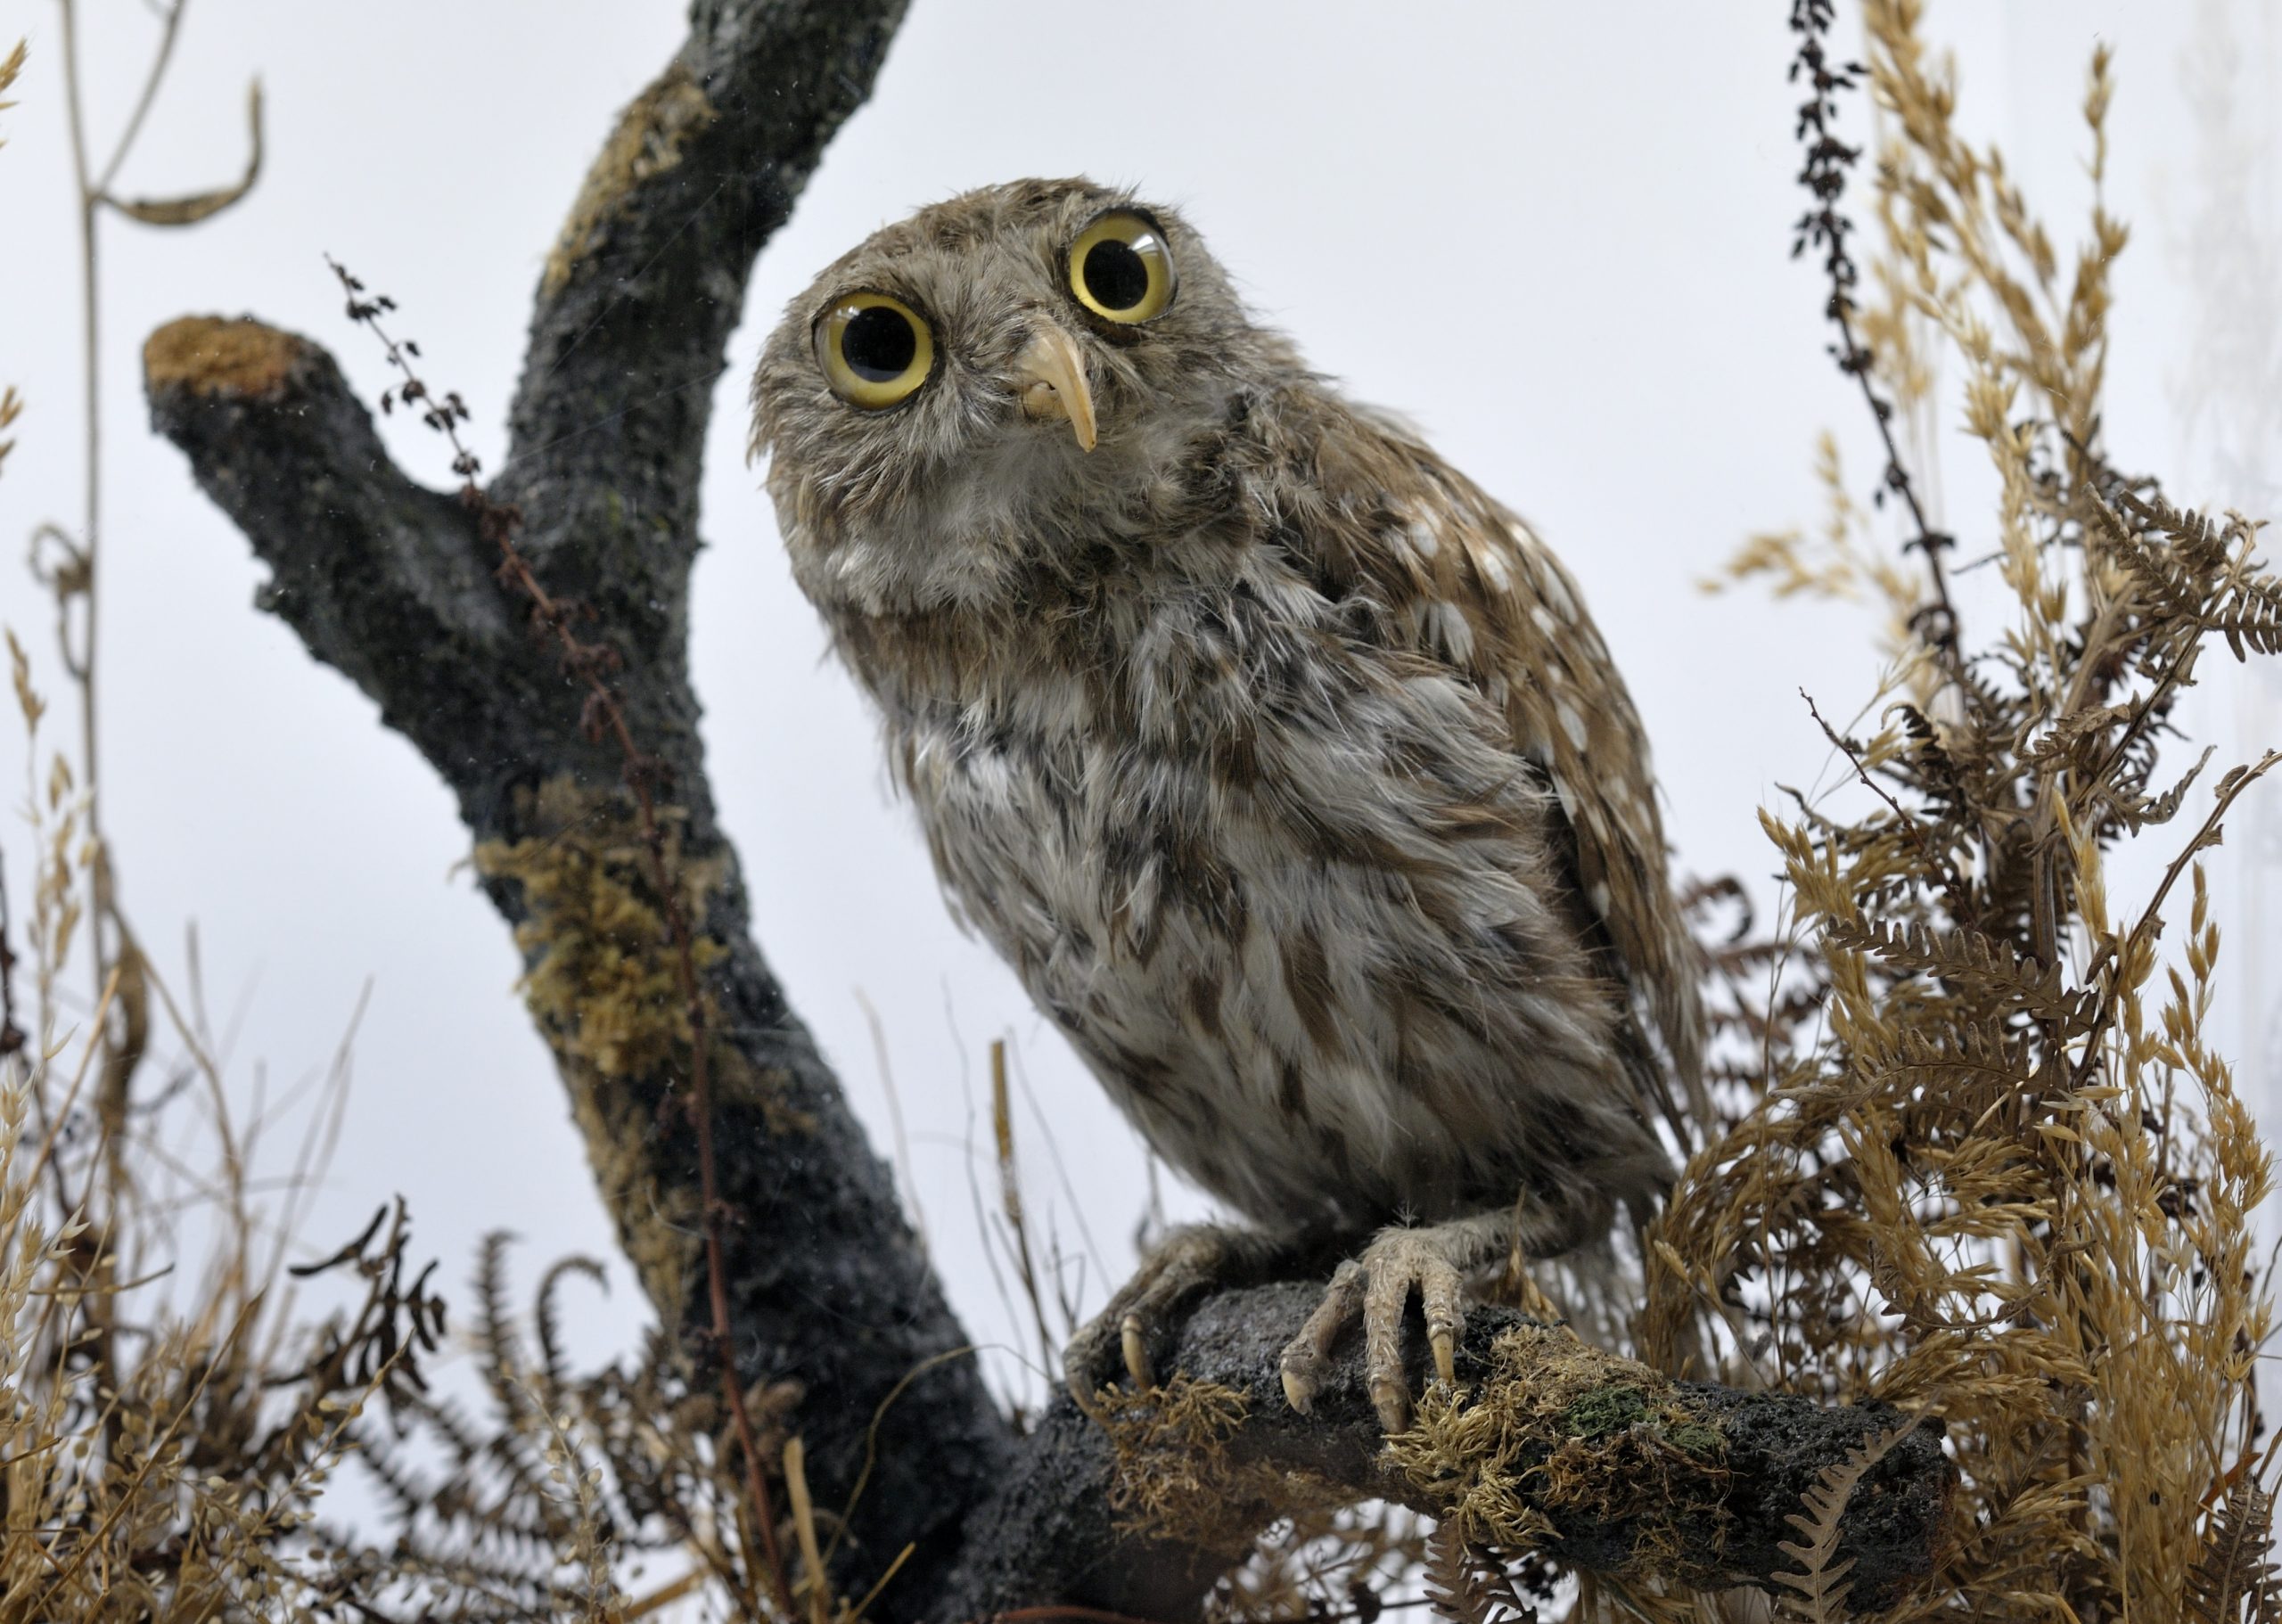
(1119, 268)
(876, 349)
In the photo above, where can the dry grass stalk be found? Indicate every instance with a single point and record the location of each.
(176, 1473)
(1985, 1165)
(180, 1481)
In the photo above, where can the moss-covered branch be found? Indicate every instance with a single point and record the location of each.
(1546, 1442)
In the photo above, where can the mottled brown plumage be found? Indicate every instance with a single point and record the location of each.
(1282, 764)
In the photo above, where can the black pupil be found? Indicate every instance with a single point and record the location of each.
(878, 344)
(1115, 275)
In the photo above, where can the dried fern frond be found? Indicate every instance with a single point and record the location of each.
(1983, 1160)
(2235, 1581)
(1820, 1583)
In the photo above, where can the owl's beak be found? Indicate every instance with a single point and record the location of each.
(1051, 375)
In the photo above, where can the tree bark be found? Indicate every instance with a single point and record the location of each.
(1636, 1500)
(391, 583)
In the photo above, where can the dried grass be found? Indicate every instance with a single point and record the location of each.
(1979, 1160)
(1985, 1165)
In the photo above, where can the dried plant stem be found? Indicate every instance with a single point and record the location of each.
(1825, 176)
(76, 577)
(1860, 359)
(81, 577)
(641, 774)
(1009, 1198)
(1936, 863)
(604, 717)
(2149, 924)
(71, 1094)
(150, 1459)
(169, 27)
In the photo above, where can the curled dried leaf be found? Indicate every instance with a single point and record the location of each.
(190, 209)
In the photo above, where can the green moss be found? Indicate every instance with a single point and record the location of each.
(1698, 1439)
(1614, 1409)
(1558, 1437)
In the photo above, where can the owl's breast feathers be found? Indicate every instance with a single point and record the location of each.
(1304, 797)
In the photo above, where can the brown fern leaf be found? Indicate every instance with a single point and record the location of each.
(551, 1375)
(2251, 617)
(2208, 572)
(1957, 1053)
(1942, 768)
(2234, 1582)
(2205, 574)
(1455, 1586)
(1820, 1583)
(2073, 738)
(1967, 956)
(499, 1345)
(2140, 812)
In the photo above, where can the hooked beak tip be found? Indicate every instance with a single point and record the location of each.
(1050, 374)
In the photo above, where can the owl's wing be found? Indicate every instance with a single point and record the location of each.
(1460, 579)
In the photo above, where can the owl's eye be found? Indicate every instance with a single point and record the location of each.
(1119, 268)
(876, 349)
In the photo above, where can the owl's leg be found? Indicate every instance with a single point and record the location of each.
(1190, 1260)
(1376, 1287)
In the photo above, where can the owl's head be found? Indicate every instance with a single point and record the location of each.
(970, 387)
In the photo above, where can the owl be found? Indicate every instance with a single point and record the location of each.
(1284, 764)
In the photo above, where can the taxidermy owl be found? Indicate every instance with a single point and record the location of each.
(1284, 766)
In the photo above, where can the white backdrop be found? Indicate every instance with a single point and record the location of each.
(1612, 185)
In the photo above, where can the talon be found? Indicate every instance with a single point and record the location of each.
(1188, 1261)
(1307, 1356)
(1445, 1347)
(1079, 1369)
(1302, 1374)
(1392, 1399)
(1136, 1353)
(1299, 1392)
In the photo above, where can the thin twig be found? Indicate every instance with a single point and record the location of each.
(1010, 1197)
(1936, 860)
(149, 93)
(2150, 921)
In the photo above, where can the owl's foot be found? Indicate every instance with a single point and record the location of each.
(1375, 1287)
(1190, 1260)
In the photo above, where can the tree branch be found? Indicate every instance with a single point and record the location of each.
(1631, 1473)
(391, 584)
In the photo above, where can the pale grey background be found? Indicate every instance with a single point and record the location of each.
(1611, 184)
